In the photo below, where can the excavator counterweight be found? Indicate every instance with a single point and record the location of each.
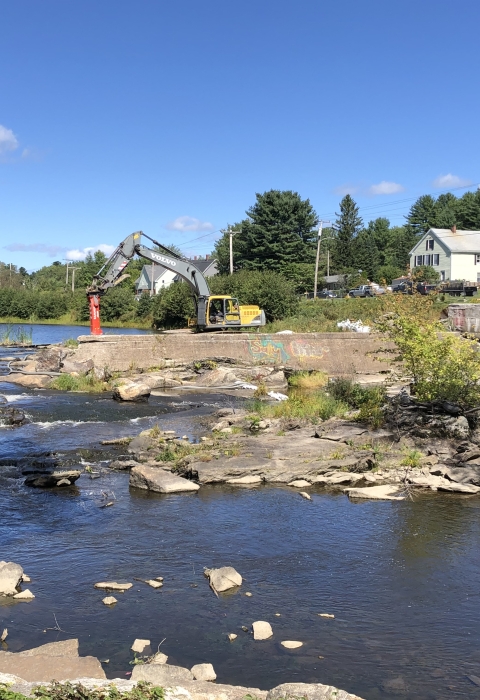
(214, 312)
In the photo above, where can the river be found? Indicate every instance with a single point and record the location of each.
(401, 578)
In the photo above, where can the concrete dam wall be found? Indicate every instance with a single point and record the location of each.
(334, 353)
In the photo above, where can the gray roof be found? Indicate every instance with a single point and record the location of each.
(203, 265)
(458, 241)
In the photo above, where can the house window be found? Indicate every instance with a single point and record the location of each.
(442, 275)
(477, 259)
(429, 244)
(436, 259)
(426, 259)
(418, 260)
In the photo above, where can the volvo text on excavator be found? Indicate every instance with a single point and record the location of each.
(213, 312)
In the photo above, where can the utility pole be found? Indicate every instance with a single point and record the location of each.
(231, 234)
(73, 277)
(320, 227)
(66, 278)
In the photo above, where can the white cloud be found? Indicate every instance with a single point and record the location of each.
(80, 254)
(443, 182)
(385, 187)
(189, 223)
(8, 140)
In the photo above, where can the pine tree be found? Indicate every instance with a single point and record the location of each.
(279, 232)
(366, 253)
(446, 211)
(468, 211)
(349, 224)
(421, 216)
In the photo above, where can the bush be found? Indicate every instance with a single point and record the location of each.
(173, 306)
(369, 400)
(117, 303)
(441, 366)
(271, 291)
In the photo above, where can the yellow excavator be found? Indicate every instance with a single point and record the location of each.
(213, 312)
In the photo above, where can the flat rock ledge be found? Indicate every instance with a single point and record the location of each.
(157, 479)
(202, 690)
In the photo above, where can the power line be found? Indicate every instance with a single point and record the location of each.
(407, 199)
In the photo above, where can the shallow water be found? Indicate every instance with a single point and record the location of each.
(401, 578)
(44, 333)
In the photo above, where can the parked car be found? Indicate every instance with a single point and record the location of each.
(326, 294)
(366, 290)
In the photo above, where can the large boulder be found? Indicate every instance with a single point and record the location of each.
(53, 479)
(31, 381)
(58, 660)
(157, 479)
(309, 691)
(12, 416)
(132, 391)
(49, 359)
(262, 630)
(204, 672)
(10, 577)
(71, 367)
(387, 492)
(223, 579)
(161, 674)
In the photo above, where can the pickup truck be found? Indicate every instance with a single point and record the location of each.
(366, 290)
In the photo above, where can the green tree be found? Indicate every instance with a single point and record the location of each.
(468, 211)
(349, 223)
(425, 273)
(279, 231)
(366, 253)
(387, 273)
(173, 306)
(446, 211)
(422, 216)
(271, 291)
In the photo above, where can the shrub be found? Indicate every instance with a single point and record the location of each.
(441, 366)
(173, 306)
(308, 380)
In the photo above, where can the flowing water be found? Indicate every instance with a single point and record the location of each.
(401, 578)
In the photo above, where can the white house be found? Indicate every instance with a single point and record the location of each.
(454, 254)
(153, 278)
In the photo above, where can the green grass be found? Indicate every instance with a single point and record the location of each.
(86, 383)
(310, 407)
(16, 336)
(70, 343)
(322, 315)
(308, 380)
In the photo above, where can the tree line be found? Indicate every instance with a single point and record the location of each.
(274, 251)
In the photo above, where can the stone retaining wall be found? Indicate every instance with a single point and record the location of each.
(465, 317)
(335, 353)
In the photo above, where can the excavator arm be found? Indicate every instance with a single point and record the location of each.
(213, 313)
(112, 273)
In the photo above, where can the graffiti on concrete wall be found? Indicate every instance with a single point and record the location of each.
(268, 350)
(273, 351)
(304, 349)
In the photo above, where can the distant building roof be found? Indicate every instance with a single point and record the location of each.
(207, 267)
(455, 241)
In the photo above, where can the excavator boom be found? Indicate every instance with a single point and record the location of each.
(223, 309)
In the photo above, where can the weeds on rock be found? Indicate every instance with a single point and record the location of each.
(86, 383)
(70, 343)
(70, 691)
(369, 400)
(308, 380)
(412, 459)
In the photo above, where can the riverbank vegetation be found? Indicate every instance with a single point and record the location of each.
(16, 335)
(76, 691)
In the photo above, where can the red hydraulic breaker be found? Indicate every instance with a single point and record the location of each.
(94, 303)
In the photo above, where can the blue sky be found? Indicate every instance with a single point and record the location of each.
(168, 117)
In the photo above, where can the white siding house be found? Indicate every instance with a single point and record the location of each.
(163, 278)
(454, 254)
